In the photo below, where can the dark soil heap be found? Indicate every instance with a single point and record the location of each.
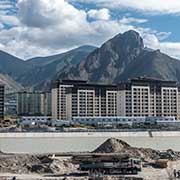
(113, 145)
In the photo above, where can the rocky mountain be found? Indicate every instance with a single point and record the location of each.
(120, 58)
(45, 68)
(74, 55)
(124, 57)
(17, 73)
(10, 84)
(12, 66)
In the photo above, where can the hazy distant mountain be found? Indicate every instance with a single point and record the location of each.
(11, 68)
(74, 55)
(40, 70)
(10, 84)
(45, 68)
(124, 57)
(12, 65)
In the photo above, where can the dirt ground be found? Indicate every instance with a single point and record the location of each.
(148, 173)
(41, 167)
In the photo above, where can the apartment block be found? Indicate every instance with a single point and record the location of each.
(148, 97)
(138, 97)
(33, 103)
(80, 98)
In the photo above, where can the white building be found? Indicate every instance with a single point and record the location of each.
(78, 98)
(140, 97)
(148, 97)
(33, 120)
(119, 120)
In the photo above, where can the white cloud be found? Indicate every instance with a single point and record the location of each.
(44, 13)
(129, 20)
(44, 27)
(147, 6)
(102, 14)
(170, 48)
(6, 4)
(8, 19)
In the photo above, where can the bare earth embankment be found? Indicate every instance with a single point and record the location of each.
(25, 166)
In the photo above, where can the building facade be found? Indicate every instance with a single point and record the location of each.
(140, 97)
(33, 104)
(148, 97)
(79, 98)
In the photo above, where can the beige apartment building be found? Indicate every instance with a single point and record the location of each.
(148, 97)
(79, 98)
(138, 97)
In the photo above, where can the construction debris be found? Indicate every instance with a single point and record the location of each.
(25, 164)
(113, 149)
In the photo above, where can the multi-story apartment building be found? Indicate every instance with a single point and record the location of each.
(33, 103)
(148, 97)
(79, 98)
(139, 97)
(2, 88)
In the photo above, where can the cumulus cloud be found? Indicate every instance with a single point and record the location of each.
(8, 19)
(147, 6)
(6, 4)
(129, 20)
(45, 13)
(102, 14)
(44, 27)
(169, 48)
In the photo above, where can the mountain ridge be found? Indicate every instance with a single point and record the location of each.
(122, 57)
(30, 73)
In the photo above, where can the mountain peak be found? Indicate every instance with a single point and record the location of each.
(130, 39)
(131, 32)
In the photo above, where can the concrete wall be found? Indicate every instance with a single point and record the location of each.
(92, 134)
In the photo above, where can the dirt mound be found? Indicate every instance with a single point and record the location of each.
(25, 164)
(17, 163)
(113, 145)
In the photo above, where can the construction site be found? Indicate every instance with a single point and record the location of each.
(114, 159)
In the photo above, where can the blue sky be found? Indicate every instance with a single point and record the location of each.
(31, 28)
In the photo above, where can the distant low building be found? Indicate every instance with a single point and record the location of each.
(33, 104)
(120, 120)
(35, 120)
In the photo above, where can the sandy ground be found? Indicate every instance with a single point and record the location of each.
(148, 173)
(8, 176)
(23, 166)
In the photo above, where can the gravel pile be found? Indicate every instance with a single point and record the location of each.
(113, 145)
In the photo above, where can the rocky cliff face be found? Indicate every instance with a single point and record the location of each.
(123, 57)
(120, 58)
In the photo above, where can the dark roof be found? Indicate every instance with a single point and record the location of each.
(141, 81)
(152, 80)
(81, 83)
(146, 81)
